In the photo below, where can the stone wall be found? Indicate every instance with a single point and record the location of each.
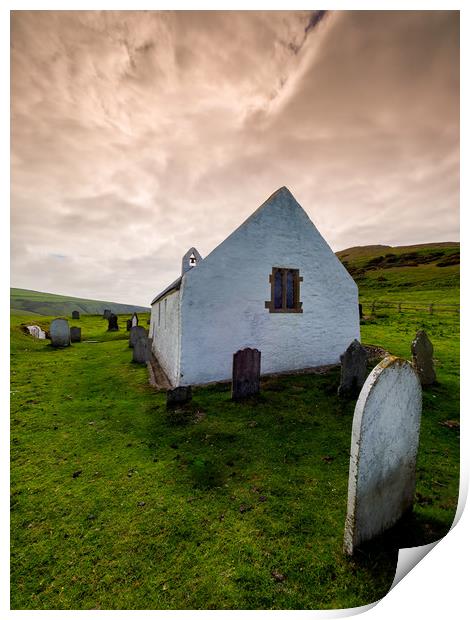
(164, 331)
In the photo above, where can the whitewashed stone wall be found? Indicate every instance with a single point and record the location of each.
(165, 331)
(384, 446)
(223, 298)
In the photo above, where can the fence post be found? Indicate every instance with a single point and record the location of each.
(431, 308)
(373, 307)
(399, 308)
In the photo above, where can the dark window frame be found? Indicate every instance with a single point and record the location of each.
(297, 305)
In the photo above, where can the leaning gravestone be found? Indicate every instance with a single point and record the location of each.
(134, 320)
(76, 334)
(113, 323)
(135, 334)
(384, 447)
(422, 352)
(60, 333)
(75, 314)
(106, 314)
(128, 325)
(245, 373)
(141, 351)
(353, 370)
(178, 396)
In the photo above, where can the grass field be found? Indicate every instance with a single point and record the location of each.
(114, 505)
(422, 274)
(24, 302)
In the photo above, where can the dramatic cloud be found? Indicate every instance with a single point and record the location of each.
(136, 135)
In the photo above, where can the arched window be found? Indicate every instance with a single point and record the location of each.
(285, 290)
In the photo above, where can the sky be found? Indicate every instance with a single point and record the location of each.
(136, 135)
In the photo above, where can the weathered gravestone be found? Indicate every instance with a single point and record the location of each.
(134, 320)
(360, 311)
(60, 333)
(75, 314)
(141, 350)
(75, 334)
(353, 370)
(106, 314)
(113, 323)
(384, 446)
(422, 360)
(178, 396)
(36, 331)
(128, 325)
(245, 373)
(137, 333)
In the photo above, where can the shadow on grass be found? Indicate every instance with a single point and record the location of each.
(411, 531)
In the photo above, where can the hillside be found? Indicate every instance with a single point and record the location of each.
(26, 302)
(427, 273)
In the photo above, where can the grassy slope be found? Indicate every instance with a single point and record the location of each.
(89, 542)
(393, 279)
(26, 302)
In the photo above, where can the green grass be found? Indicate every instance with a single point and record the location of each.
(24, 302)
(115, 505)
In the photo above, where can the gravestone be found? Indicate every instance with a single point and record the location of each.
(360, 311)
(422, 360)
(128, 325)
(134, 320)
(384, 447)
(137, 333)
(36, 331)
(113, 323)
(75, 334)
(178, 396)
(75, 314)
(353, 370)
(141, 351)
(106, 314)
(60, 333)
(245, 373)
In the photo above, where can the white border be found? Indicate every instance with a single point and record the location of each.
(438, 586)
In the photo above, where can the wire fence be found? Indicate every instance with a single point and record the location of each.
(406, 306)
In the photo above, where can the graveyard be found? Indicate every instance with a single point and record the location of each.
(117, 503)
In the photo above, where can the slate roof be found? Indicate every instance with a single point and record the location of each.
(174, 286)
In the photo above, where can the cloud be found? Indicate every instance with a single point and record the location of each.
(136, 135)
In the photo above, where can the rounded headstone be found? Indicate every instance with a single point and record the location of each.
(60, 333)
(384, 447)
(75, 314)
(136, 333)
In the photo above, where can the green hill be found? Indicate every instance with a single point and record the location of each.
(26, 302)
(427, 273)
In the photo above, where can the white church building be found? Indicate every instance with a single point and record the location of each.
(274, 284)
